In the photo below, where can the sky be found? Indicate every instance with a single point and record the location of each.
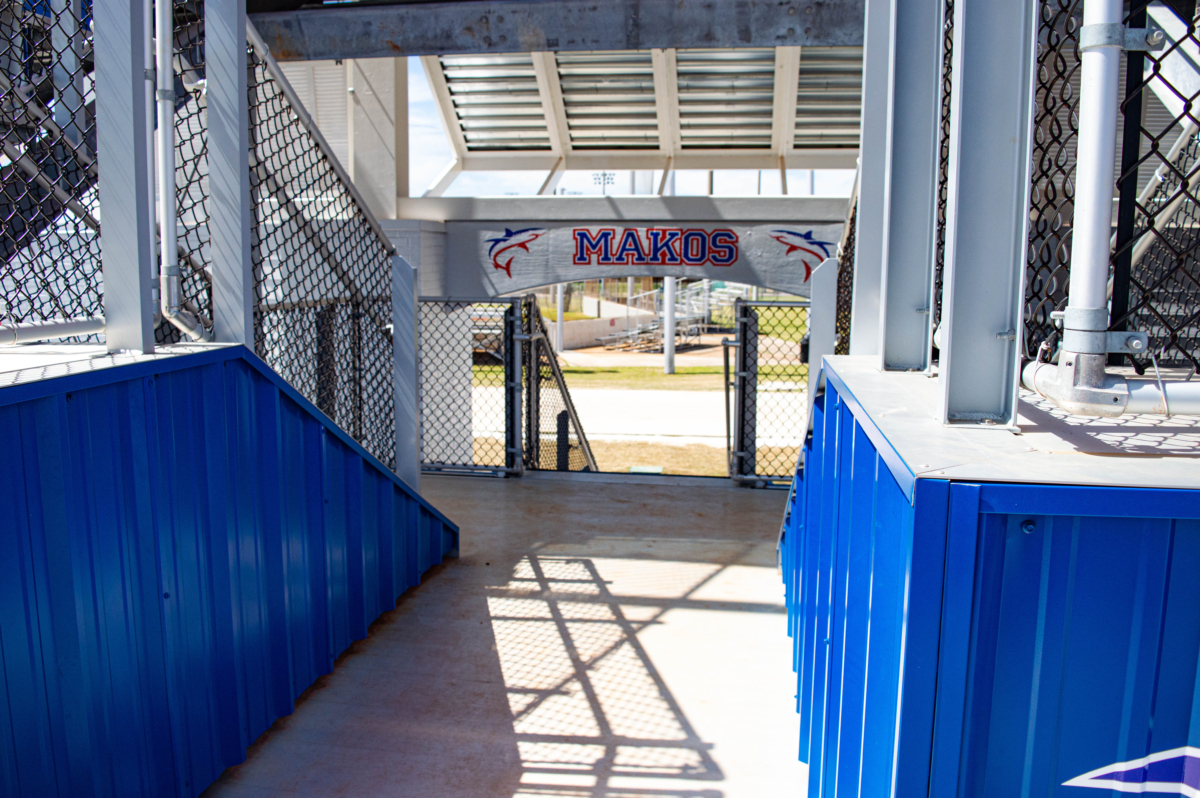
(429, 153)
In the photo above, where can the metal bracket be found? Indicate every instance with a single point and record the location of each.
(1114, 34)
(1134, 343)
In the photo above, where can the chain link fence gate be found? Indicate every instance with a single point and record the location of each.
(770, 391)
(492, 396)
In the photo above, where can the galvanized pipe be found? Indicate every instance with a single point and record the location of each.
(1115, 395)
(1100, 67)
(31, 331)
(668, 325)
(558, 317)
(170, 280)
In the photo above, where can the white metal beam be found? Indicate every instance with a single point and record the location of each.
(444, 179)
(873, 144)
(544, 160)
(783, 109)
(552, 179)
(666, 175)
(545, 69)
(987, 208)
(911, 185)
(445, 104)
(666, 100)
(127, 256)
(229, 207)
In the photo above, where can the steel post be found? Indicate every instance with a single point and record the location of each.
(873, 148)
(987, 208)
(911, 184)
(558, 316)
(229, 170)
(122, 146)
(406, 373)
(668, 325)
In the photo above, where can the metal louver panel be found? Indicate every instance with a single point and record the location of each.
(609, 100)
(725, 98)
(829, 100)
(496, 101)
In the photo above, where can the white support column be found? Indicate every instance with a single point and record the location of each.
(407, 389)
(783, 108)
(868, 248)
(445, 106)
(910, 184)
(987, 212)
(552, 179)
(545, 70)
(559, 311)
(229, 171)
(127, 254)
(666, 102)
(668, 325)
(377, 131)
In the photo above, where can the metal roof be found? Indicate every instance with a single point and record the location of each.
(716, 108)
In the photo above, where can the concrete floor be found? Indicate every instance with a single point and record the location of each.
(596, 639)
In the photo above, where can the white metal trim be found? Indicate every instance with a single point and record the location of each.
(445, 104)
(545, 69)
(666, 100)
(783, 110)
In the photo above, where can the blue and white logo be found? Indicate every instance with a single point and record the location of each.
(1173, 772)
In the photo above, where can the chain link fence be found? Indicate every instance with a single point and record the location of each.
(770, 383)
(322, 273)
(468, 396)
(493, 398)
(939, 254)
(49, 208)
(1155, 275)
(845, 283)
(191, 168)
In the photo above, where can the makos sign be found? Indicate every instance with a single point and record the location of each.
(494, 259)
(655, 246)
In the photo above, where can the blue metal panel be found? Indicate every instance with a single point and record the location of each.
(185, 546)
(960, 640)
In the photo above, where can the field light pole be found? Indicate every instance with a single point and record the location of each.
(669, 325)
(558, 317)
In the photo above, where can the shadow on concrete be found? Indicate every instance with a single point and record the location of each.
(588, 704)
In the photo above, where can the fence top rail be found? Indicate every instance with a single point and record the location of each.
(264, 52)
(474, 300)
(773, 304)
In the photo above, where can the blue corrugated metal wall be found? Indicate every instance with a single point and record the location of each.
(959, 639)
(185, 547)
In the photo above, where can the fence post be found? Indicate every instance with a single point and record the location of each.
(668, 325)
(405, 376)
(229, 206)
(127, 246)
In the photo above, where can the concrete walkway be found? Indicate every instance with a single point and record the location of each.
(597, 639)
(657, 416)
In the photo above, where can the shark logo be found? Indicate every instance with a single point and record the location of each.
(804, 243)
(512, 239)
(1173, 772)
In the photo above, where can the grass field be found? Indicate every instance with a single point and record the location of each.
(551, 314)
(640, 378)
(618, 457)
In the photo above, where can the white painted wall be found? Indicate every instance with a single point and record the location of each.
(423, 244)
